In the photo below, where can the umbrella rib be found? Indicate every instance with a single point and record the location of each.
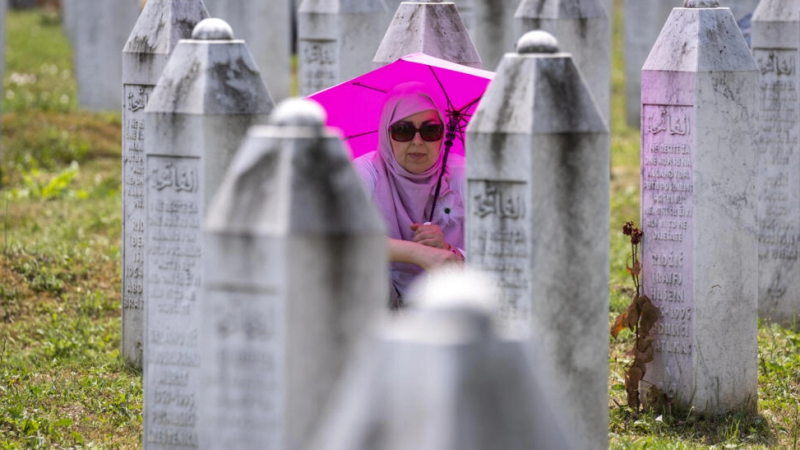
(444, 91)
(353, 136)
(360, 84)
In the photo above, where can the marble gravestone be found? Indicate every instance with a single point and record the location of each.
(337, 40)
(740, 8)
(537, 221)
(582, 28)
(209, 94)
(101, 30)
(776, 41)
(493, 30)
(296, 272)
(159, 28)
(266, 27)
(698, 210)
(432, 28)
(69, 18)
(439, 377)
(642, 21)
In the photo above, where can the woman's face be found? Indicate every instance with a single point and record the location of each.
(417, 155)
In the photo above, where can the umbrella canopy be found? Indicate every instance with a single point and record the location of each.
(354, 106)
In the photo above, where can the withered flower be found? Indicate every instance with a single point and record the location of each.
(627, 228)
(636, 236)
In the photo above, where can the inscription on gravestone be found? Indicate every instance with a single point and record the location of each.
(501, 247)
(133, 192)
(248, 349)
(174, 202)
(667, 253)
(319, 63)
(779, 189)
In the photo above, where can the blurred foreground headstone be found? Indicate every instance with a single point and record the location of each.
(776, 42)
(434, 28)
(209, 94)
(440, 378)
(337, 40)
(538, 180)
(698, 210)
(296, 272)
(101, 30)
(266, 27)
(159, 28)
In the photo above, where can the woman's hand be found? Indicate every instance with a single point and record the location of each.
(429, 235)
(426, 257)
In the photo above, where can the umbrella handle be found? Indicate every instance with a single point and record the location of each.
(451, 135)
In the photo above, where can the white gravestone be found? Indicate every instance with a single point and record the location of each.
(642, 21)
(296, 272)
(582, 28)
(537, 221)
(698, 210)
(266, 27)
(776, 42)
(740, 8)
(209, 94)
(337, 40)
(69, 18)
(159, 28)
(432, 28)
(102, 28)
(493, 30)
(439, 377)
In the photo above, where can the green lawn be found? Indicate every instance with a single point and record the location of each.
(62, 381)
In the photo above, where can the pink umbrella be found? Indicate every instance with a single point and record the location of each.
(355, 106)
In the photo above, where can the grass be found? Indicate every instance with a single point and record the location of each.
(62, 381)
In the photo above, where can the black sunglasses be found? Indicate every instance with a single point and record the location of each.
(405, 131)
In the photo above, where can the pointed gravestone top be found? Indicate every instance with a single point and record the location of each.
(433, 28)
(162, 24)
(700, 38)
(777, 11)
(211, 74)
(537, 42)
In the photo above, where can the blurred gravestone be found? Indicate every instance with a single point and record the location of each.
(440, 378)
(739, 8)
(266, 27)
(582, 29)
(642, 20)
(493, 31)
(296, 271)
(101, 30)
(776, 41)
(432, 28)
(209, 94)
(69, 18)
(538, 178)
(698, 210)
(337, 40)
(159, 28)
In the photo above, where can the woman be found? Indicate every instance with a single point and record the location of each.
(402, 176)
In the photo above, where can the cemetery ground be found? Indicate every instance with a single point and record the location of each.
(62, 381)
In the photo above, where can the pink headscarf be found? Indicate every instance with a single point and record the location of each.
(402, 197)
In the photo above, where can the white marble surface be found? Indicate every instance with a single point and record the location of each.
(101, 30)
(161, 25)
(776, 43)
(266, 27)
(699, 205)
(493, 29)
(427, 378)
(210, 93)
(582, 28)
(296, 272)
(538, 177)
(337, 40)
(434, 28)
